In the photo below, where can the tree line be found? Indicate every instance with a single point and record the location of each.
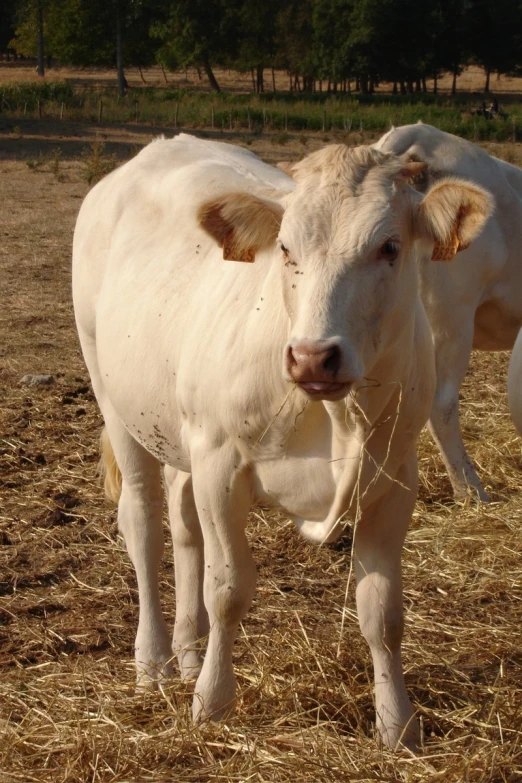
(331, 45)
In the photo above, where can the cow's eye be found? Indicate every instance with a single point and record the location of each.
(284, 249)
(389, 251)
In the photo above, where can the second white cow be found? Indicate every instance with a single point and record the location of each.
(264, 338)
(477, 302)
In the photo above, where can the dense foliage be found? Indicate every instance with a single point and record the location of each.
(338, 42)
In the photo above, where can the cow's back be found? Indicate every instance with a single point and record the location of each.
(156, 303)
(484, 280)
(152, 200)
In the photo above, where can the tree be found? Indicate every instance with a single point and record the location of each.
(29, 34)
(494, 35)
(294, 38)
(255, 34)
(200, 33)
(113, 33)
(332, 53)
(7, 23)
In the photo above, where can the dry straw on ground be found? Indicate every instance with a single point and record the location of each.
(68, 605)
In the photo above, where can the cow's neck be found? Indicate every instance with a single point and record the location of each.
(368, 436)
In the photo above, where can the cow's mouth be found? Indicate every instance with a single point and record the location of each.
(324, 390)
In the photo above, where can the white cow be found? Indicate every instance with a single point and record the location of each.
(300, 381)
(477, 302)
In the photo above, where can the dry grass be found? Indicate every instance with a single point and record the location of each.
(68, 605)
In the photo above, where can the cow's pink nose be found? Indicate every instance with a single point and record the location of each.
(308, 362)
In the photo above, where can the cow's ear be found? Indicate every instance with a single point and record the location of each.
(241, 224)
(452, 214)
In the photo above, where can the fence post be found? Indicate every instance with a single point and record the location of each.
(176, 115)
(61, 111)
(100, 111)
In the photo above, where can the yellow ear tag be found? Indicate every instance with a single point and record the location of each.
(446, 252)
(249, 256)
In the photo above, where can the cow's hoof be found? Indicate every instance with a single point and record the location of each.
(214, 699)
(401, 735)
(152, 674)
(190, 663)
(466, 493)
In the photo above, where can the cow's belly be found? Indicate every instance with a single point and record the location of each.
(303, 487)
(496, 326)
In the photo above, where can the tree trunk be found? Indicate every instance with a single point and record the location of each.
(40, 38)
(210, 74)
(141, 75)
(454, 83)
(435, 83)
(488, 74)
(424, 87)
(273, 80)
(260, 83)
(122, 81)
(253, 80)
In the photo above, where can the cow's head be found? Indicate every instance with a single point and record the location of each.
(344, 245)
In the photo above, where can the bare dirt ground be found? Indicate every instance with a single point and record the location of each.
(68, 600)
(471, 80)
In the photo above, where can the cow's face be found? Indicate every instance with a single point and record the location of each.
(344, 249)
(349, 285)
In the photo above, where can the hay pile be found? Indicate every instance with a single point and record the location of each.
(68, 599)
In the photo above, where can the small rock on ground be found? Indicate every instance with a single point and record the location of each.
(38, 380)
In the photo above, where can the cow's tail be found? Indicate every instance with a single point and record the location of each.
(109, 469)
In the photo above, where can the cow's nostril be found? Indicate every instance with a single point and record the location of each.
(332, 362)
(290, 358)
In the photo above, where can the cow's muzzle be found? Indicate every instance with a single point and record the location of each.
(316, 368)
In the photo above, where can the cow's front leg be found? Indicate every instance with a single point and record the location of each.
(191, 625)
(378, 545)
(140, 511)
(452, 354)
(223, 499)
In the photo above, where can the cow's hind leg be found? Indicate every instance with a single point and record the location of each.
(191, 624)
(222, 495)
(140, 511)
(378, 543)
(515, 384)
(452, 354)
